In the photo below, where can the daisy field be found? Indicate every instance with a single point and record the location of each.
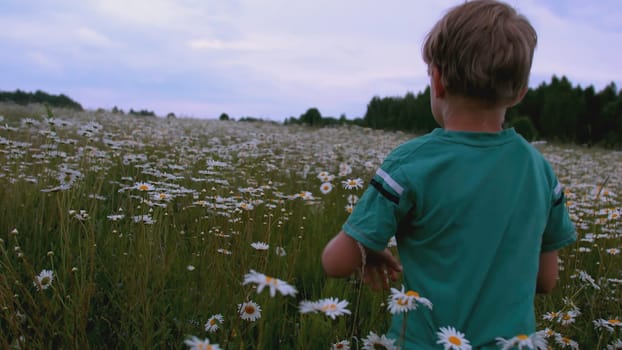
(119, 231)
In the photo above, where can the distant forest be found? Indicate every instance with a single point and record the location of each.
(59, 101)
(23, 98)
(554, 111)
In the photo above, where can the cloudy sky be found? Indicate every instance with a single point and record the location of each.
(269, 59)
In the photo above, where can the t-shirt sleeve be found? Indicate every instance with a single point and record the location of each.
(382, 206)
(559, 231)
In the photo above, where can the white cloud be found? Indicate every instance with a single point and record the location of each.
(91, 37)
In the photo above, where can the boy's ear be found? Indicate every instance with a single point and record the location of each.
(438, 89)
(520, 97)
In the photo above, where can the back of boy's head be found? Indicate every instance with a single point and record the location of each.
(484, 50)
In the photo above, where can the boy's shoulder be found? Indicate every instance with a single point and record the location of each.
(407, 148)
(440, 143)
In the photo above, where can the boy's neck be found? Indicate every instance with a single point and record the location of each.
(463, 115)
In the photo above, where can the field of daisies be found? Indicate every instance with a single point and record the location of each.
(125, 232)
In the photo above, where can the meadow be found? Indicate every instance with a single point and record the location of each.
(121, 232)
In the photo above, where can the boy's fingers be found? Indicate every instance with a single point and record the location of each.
(391, 261)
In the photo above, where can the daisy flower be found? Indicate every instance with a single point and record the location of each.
(197, 344)
(260, 245)
(607, 324)
(162, 196)
(44, 279)
(374, 341)
(214, 322)
(306, 195)
(275, 284)
(333, 307)
(349, 208)
(307, 306)
(322, 174)
(568, 317)
(566, 342)
(548, 333)
(550, 316)
(401, 301)
(451, 339)
(350, 184)
(613, 251)
(144, 186)
(523, 341)
(615, 345)
(344, 169)
(325, 176)
(223, 251)
(246, 206)
(326, 187)
(585, 277)
(352, 198)
(249, 311)
(115, 217)
(342, 345)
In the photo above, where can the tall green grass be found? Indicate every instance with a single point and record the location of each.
(131, 284)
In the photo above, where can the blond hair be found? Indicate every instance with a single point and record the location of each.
(484, 50)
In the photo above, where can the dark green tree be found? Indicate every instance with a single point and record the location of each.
(311, 117)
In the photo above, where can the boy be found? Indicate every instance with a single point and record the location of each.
(477, 211)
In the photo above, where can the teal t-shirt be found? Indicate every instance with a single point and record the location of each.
(471, 213)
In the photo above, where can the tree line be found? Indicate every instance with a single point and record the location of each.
(23, 98)
(554, 111)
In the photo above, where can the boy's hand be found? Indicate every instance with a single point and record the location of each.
(380, 268)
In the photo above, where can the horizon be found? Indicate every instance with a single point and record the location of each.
(162, 115)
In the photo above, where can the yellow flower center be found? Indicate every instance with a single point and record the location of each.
(45, 280)
(162, 195)
(567, 317)
(412, 293)
(329, 307)
(454, 340)
(249, 309)
(614, 321)
(522, 337)
(212, 321)
(339, 346)
(143, 187)
(402, 301)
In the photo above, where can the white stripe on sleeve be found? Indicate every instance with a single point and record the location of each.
(389, 181)
(558, 188)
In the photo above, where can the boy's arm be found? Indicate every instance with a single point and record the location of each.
(547, 272)
(342, 257)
